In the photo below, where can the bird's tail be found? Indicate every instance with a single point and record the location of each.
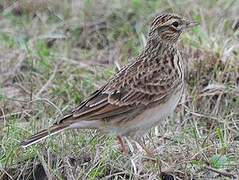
(56, 128)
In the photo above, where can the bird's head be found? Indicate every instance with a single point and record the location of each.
(168, 27)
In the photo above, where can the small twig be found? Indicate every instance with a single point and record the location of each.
(118, 66)
(21, 58)
(45, 166)
(223, 173)
(45, 86)
(218, 101)
(49, 102)
(10, 8)
(4, 116)
(201, 115)
(13, 99)
(6, 173)
(74, 62)
(23, 88)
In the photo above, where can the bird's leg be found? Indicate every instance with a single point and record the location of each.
(148, 151)
(122, 144)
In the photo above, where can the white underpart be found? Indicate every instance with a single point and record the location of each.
(153, 116)
(86, 124)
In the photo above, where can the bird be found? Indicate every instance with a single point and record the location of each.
(141, 94)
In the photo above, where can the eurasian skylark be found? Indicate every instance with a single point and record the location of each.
(143, 93)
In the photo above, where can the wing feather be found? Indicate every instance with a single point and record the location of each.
(130, 88)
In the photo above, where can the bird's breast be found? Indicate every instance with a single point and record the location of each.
(149, 117)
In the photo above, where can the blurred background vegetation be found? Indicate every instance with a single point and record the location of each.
(55, 53)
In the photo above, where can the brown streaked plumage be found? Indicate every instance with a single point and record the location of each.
(141, 94)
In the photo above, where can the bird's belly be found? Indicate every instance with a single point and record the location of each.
(151, 116)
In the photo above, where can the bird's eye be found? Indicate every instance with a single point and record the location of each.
(175, 24)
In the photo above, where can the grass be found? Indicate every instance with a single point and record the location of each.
(52, 55)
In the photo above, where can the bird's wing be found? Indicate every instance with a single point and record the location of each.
(139, 84)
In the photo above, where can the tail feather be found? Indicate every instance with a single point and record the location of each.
(56, 128)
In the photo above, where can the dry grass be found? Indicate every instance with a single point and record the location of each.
(52, 55)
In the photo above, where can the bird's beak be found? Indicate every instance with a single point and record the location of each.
(191, 24)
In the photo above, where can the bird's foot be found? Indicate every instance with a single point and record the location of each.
(123, 147)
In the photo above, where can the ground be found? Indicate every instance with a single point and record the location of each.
(53, 54)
